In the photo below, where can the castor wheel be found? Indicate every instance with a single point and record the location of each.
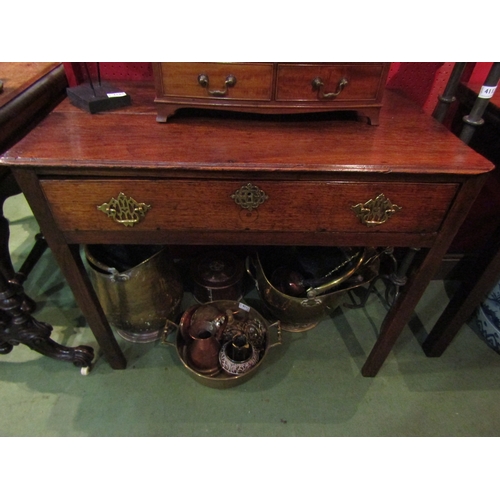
(85, 370)
(90, 361)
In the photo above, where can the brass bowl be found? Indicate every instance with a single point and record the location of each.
(223, 380)
(298, 314)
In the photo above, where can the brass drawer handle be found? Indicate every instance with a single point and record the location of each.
(249, 197)
(124, 210)
(375, 212)
(205, 83)
(317, 84)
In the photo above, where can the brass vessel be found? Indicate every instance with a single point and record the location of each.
(231, 310)
(138, 287)
(301, 313)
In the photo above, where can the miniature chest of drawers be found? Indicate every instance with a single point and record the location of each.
(271, 87)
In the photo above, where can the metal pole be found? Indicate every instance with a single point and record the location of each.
(448, 96)
(474, 118)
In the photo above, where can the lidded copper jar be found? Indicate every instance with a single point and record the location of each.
(217, 275)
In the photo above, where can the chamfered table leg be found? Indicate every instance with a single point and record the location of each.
(400, 313)
(70, 262)
(480, 279)
(71, 265)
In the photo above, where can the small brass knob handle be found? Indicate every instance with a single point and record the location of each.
(204, 81)
(124, 210)
(318, 84)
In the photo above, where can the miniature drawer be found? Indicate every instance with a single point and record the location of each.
(271, 88)
(329, 82)
(267, 206)
(208, 80)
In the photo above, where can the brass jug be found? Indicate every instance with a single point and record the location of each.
(136, 300)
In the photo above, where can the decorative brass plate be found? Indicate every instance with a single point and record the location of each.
(249, 197)
(375, 212)
(124, 210)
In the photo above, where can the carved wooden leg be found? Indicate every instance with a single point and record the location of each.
(8, 188)
(5, 347)
(19, 327)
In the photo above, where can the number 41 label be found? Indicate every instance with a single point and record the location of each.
(486, 92)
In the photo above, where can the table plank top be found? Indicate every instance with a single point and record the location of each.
(19, 76)
(406, 141)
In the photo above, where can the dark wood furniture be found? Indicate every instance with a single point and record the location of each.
(410, 178)
(480, 270)
(30, 91)
(271, 87)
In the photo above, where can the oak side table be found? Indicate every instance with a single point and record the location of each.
(412, 180)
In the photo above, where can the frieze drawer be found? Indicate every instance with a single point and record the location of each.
(271, 88)
(267, 206)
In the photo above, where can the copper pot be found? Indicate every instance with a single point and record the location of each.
(217, 276)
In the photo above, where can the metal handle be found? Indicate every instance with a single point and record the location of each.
(205, 83)
(248, 263)
(169, 328)
(375, 211)
(318, 84)
(114, 274)
(318, 290)
(276, 325)
(124, 210)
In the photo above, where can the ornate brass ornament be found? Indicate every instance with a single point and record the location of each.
(124, 210)
(375, 212)
(249, 197)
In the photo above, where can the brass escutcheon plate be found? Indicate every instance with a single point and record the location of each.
(375, 211)
(249, 197)
(124, 210)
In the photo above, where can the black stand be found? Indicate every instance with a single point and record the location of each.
(95, 98)
(103, 97)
